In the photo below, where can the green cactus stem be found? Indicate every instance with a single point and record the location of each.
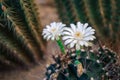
(78, 52)
(60, 44)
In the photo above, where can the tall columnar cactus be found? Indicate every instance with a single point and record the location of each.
(21, 43)
(104, 15)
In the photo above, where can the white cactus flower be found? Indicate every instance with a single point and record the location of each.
(53, 31)
(78, 35)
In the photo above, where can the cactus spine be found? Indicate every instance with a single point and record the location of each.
(20, 37)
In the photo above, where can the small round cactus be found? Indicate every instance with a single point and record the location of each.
(89, 65)
(80, 61)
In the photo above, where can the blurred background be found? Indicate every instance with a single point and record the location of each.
(24, 54)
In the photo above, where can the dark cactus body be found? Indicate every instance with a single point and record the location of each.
(97, 65)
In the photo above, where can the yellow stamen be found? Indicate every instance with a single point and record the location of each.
(78, 35)
(53, 30)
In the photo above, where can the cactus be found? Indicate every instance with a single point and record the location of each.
(21, 44)
(102, 14)
(100, 64)
(81, 59)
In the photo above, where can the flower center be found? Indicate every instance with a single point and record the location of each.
(53, 29)
(78, 35)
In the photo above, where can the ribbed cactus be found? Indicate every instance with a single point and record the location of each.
(103, 15)
(100, 64)
(21, 43)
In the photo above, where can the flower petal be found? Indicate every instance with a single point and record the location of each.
(67, 37)
(89, 33)
(72, 44)
(53, 30)
(53, 24)
(49, 37)
(85, 25)
(77, 47)
(53, 38)
(69, 30)
(88, 29)
(47, 26)
(73, 27)
(81, 43)
(86, 44)
(68, 41)
(66, 33)
(89, 38)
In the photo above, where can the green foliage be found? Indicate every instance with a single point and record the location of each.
(103, 15)
(20, 38)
